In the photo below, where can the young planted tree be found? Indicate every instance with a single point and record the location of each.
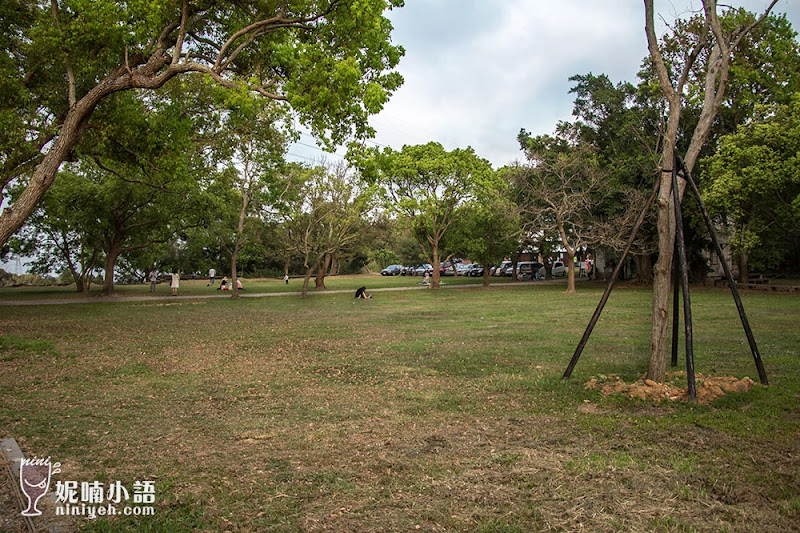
(713, 49)
(330, 60)
(426, 184)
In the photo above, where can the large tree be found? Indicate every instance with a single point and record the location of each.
(426, 184)
(713, 49)
(326, 218)
(63, 232)
(753, 181)
(488, 228)
(557, 191)
(330, 60)
(250, 146)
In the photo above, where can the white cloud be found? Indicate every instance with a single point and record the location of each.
(476, 71)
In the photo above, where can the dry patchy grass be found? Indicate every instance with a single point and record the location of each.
(437, 412)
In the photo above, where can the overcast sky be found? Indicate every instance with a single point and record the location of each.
(476, 71)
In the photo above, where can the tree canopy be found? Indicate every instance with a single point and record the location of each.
(330, 60)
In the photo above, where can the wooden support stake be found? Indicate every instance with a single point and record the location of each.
(762, 374)
(607, 293)
(675, 307)
(684, 277)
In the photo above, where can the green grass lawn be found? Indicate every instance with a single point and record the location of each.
(438, 409)
(259, 285)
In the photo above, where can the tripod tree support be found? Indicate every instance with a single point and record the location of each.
(762, 374)
(610, 286)
(677, 164)
(683, 271)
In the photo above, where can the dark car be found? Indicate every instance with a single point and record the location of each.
(392, 270)
(476, 270)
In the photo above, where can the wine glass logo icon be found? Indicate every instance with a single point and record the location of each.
(34, 479)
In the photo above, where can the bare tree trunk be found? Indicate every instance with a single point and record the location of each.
(716, 77)
(485, 275)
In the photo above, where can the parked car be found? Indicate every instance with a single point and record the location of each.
(462, 269)
(558, 270)
(501, 269)
(525, 269)
(392, 270)
(476, 270)
(422, 269)
(407, 270)
(447, 269)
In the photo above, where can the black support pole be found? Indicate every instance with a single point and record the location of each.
(675, 306)
(614, 275)
(762, 374)
(684, 277)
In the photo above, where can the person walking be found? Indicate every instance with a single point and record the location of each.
(176, 281)
(211, 274)
(153, 280)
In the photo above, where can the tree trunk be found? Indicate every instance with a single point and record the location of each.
(306, 280)
(234, 273)
(319, 281)
(112, 254)
(744, 267)
(644, 268)
(435, 277)
(485, 275)
(570, 264)
(333, 269)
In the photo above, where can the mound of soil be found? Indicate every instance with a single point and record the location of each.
(709, 388)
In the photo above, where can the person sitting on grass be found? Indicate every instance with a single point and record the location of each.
(361, 293)
(223, 286)
(239, 284)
